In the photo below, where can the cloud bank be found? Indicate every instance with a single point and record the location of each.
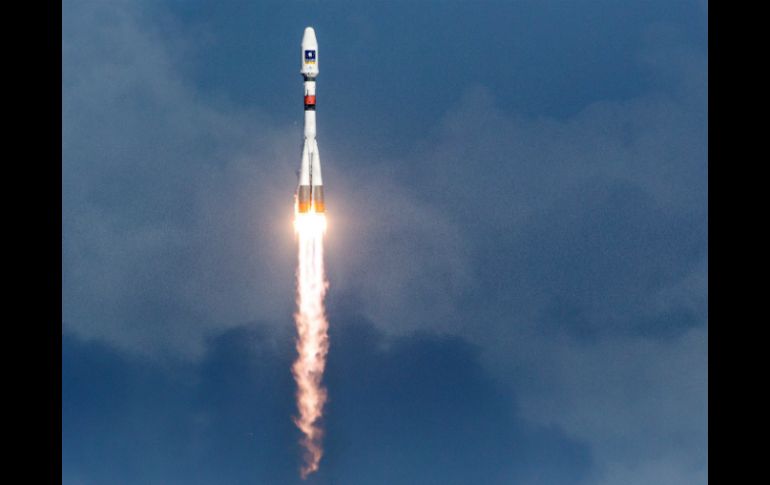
(568, 245)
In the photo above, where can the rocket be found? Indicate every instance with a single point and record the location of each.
(310, 195)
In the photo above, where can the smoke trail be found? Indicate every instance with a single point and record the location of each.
(312, 338)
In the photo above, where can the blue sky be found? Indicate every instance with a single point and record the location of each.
(517, 252)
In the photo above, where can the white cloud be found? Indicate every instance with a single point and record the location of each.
(177, 208)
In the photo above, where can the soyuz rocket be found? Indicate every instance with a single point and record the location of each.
(310, 195)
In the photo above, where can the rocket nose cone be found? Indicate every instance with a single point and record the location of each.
(308, 38)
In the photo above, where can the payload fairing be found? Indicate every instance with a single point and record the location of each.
(310, 196)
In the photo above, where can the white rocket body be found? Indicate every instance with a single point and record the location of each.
(310, 196)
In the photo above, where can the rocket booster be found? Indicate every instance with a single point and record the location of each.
(310, 196)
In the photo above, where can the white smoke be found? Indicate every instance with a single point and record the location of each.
(312, 336)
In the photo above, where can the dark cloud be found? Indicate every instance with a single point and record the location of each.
(417, 409)
(596, 257)
(421, 409)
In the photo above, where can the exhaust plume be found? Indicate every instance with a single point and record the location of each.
(312, 337)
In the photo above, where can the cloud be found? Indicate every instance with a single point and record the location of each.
(589, 265)
(177, 208)
(571, 249)
(400, 412)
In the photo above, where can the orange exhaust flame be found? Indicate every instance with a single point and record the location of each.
(312, 337)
